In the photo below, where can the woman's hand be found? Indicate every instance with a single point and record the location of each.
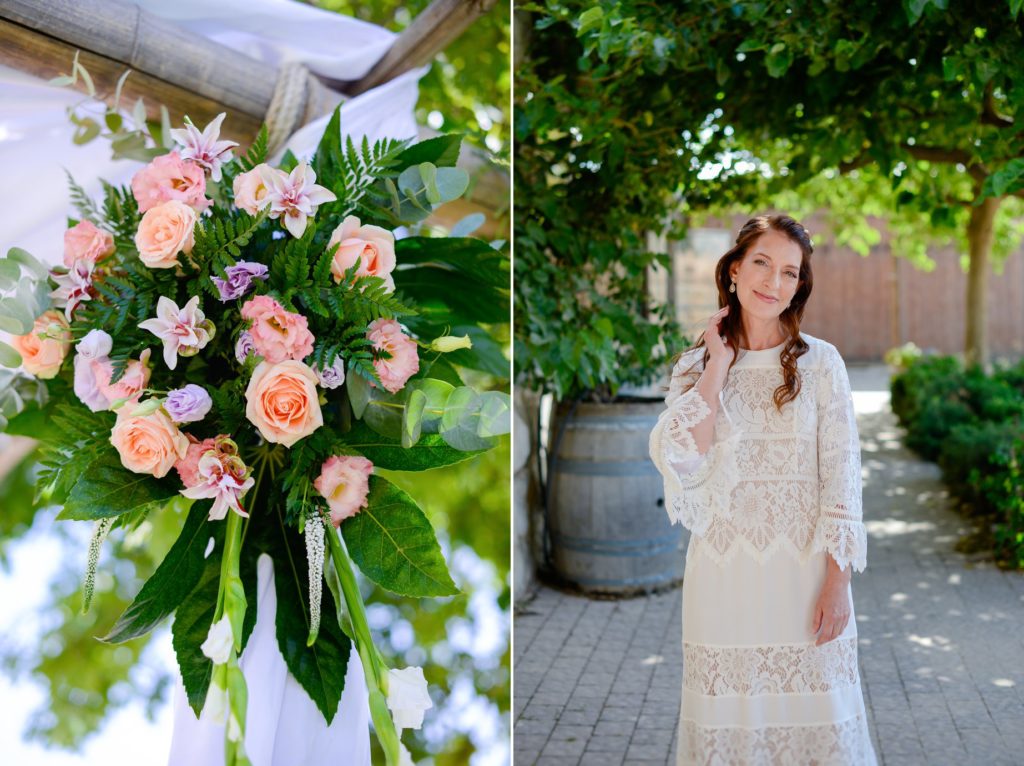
(832, 612)
(721, 352)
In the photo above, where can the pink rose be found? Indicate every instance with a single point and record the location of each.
(188, 466)
(387, 335)
(43, 357)
(165, 231)
(281, 401)
(129, 386)
(250, 190)
(344, 482)
(372, 245)
(170, 178)
(83, 241)
(276, 333)
(149, 443)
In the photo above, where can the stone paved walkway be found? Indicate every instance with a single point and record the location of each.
(941, 639)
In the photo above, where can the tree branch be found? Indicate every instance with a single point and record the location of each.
(989, 115)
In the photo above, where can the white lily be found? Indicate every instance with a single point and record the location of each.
(294, 195)
(408, 697)
(219, 641)
(204, 148)
(184, 331)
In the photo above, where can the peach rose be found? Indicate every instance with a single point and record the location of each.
(83, 241)
(149, 443)
(250, 191)
(165, 231)
(387, 335)
(344, 482)
(129, 386)
(170, 178)
(43, 357)
(281, 401)
(372, 245)
(277, 334)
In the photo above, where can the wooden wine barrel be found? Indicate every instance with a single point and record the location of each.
(610, 533)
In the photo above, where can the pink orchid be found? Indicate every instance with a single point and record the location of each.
(222, 476)
(184, 331)
(204, 148)
(73, 286)
(295, 195)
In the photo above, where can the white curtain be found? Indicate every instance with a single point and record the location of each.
(284, 727)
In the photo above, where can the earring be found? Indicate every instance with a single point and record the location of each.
(732, 287)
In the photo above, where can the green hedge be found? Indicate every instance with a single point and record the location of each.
(972, 425)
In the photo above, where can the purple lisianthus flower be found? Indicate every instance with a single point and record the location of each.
(239, 281)
(333, 376)
(188, 404)
(244, 347)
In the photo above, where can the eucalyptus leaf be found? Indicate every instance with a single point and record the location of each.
(495, 414)
(394, 544)
(29, 261)
(436, 393)
(412, 418)
(460, 420)
(9, 357)
(451, 183)
(428, 174)
(468, 225)
(10, 272)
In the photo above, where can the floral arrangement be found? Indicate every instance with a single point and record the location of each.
(250, 344)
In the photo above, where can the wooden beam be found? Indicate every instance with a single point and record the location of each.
(430, 32)
(201, 78)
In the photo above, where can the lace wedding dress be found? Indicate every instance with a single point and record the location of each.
(774, 495)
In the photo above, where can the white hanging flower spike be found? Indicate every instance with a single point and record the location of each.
(204, 149)
(99, 534)
(314, 533)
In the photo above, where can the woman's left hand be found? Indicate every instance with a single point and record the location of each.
(832, 612)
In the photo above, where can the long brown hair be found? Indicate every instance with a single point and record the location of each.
(731, 326)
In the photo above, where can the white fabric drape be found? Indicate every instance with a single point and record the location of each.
(284, 727)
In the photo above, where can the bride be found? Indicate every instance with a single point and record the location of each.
(760, 456)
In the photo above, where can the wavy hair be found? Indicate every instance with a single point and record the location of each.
(731, 326)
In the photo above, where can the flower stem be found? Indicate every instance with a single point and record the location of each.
(373, 668)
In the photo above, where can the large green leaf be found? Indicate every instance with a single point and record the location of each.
(394, 545)
(107, 489)
(466, 299)
(194, 615)
(430, 451)
(442, 151)
(469, 256)
(320, 669)
(172, 582)
(191, 626)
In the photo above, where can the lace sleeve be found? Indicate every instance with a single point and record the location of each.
(840, 529)
(690, 494)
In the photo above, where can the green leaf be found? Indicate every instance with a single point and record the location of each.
(495, 414)
(442, 151)
(192, 621)
(9, 357)
(29, 261)
(176, 577)
(320, 668)
(460, 422)
(108, 489)
(412, 417)
(590, 19)
(431, 451)
(10, 273)
(394, 545)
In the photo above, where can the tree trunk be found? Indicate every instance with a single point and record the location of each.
(979, 238)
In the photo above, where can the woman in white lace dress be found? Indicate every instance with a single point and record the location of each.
(761, 461)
